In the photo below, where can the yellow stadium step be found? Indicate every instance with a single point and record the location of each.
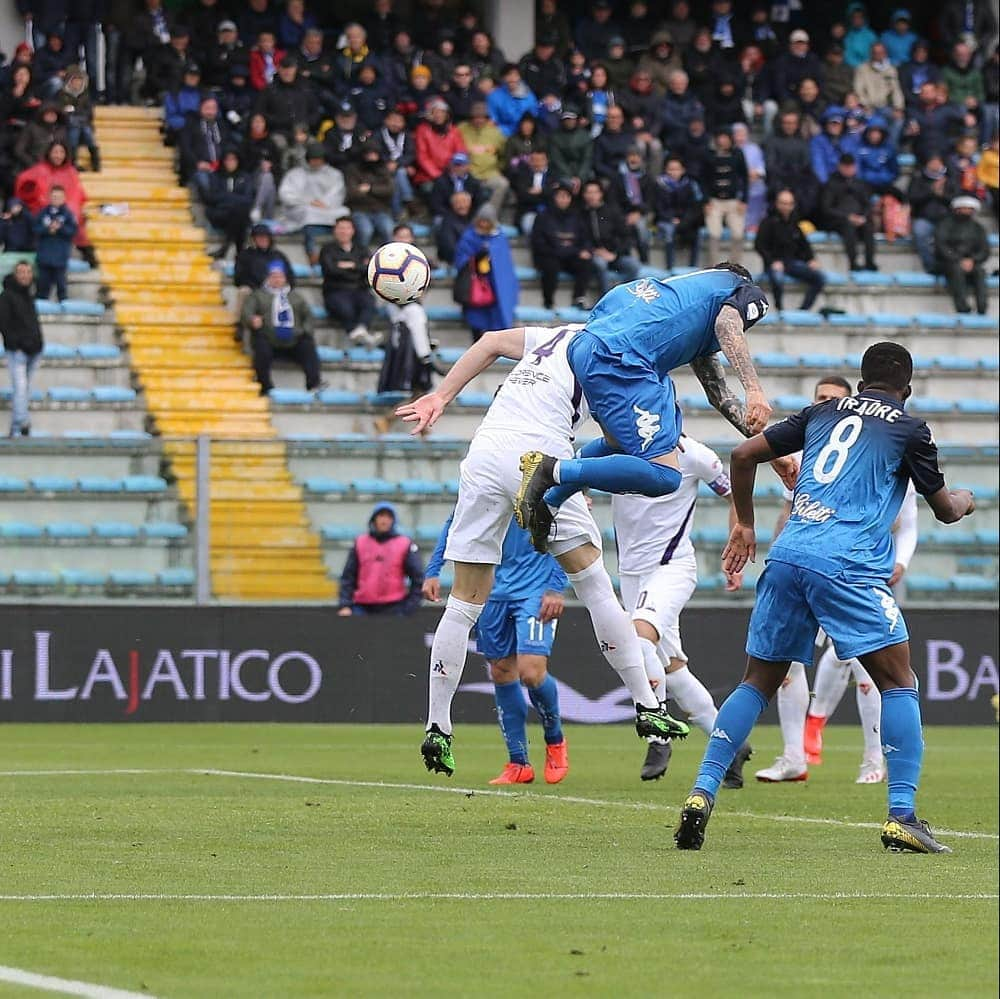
(141, 295)
(117, 250)
(139, 214)
(165, 315)
(142, 275)
(133, 170)
(278, 586)
(120, 229)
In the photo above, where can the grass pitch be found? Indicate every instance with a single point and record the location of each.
(542, 883)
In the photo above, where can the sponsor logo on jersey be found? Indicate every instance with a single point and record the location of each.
(645, 290)
(647, 425)
(721, 485)
(806, 508)
(889, 608)
(721, 733)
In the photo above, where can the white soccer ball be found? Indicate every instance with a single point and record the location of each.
(399, 273)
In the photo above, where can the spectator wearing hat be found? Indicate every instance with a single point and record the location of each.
(860, 37)
(679, 210)
(962, 249)
(253, 262)
(443, 59)
(237, 99)
(436, 140)
(456, 178)
(899, 38)
(485, 145)
(845, 203)
(226, 51)
(876, 82)
(838, 77)
(293, 23)
(609, 238)
(633, 191)
(826, 148)
(618, 64)
(560, 242)
(787, 71)
(916, 71)
(346, 295)
(660, 60)
(165, 65)
(200, 143)
(180, 103)
(456, 219)
(484, 247)
(541, 69)
(342, 143)
(383, 573)
(47, 126)
(532, 180)
(930, 194)
(22, 341)
(786, 252)
(594, 30)
(264, 58)
(508, 103)
(287, 100)
(400, 155)
(313, 198)
(724, 181)
(369, 194)
(229, 200)
(370, 97)
(281, 324)
(414, 98)
(570, 150)
(878, 165)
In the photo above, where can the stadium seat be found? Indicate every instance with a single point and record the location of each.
(330, 355)
(99, 484)
(163, 530)
(914, 279)
(451, 487)
(67, 530)
(848, 319)
(989, 363)
(40, 578)
(83, 577)
(927, 583)
(973, 584)
(449, 355)
(12, 484)
(800, 317)
(533, 314)
(366, 355)
(144, 484)
(318, 311)
(323, 484)
(20, 530)
(339, 397)
(176, 577)
(132, 579)
(934, 320)
(114, 530)
(949, 362)
(47, 308)
(53, 484)
(113, 394)
(98, 351)
(775, 359)
(568, 314)
(695, 402)
(78, 307)
(974, 322)
(714, 535)
(420, 487)
(444, 313)
(478, 400)
(525, 274)
(893, 319)
(931, 405)
(339, 532)
(831, 361)
(292, 397)
(794, 402)
(988, 538)
(374, 487)
(387, 398)
(871, 279)
(68, 393)
(57, 352)
(977, 407)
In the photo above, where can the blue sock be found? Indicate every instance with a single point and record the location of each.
(903, 745)
(733, 725)
(620, 473)
(597, 448)
(512, 716)
(545, 699)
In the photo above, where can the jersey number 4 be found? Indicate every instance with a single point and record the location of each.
(831, 459)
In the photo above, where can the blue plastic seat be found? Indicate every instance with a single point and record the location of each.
(128, 436)
(325, 485)
(952, 539)
(67, 530)
(374, 486)
(420, 487)
(144, 484)
(58, 352)
(20, 530)
(973, 584)
(935, 320)
(989, 363)
(906, 159)
(891, 319)
(421, 230)
(800, 317)
(714, 535)
(132, 578)
(820, 360)
(330, 355)
(339, 532)
(292, 397)
(525, 274)
(163, 530)
(695, 403)
(794, 402)
(931, 405)
(53, 484)
(927, 583)
(339, 397)
(68, 393)
(305, 270)
(366, 355)
(179, 576)
(35, 578)
(775, 359)
(711, 583)
(449, 355)
(871, 279)
(451, 486)
(534, 314)
(318, 311)
(477, 400)
(75, 266)
(78, 307)
(98, 351)
(12, 484)
(115, 530)
(444, 313)
(977, 407)
(949, 362)
(914, 279)
(99, 484)
(848, 319)
(988, 537)
(973, 322)
(386, 398)
(510, 231)
(427, 534)
(46, 308)
(568, 314)
(113, 394)
(83, 577)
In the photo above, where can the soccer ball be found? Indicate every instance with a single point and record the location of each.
(399, 273)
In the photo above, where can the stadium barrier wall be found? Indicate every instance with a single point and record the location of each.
(273, 664)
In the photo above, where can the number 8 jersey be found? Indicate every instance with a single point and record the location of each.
(858, 455)
(540, 404)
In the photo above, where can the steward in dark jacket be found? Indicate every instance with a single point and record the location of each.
(19, 323)
(560, 242)
(786, 252)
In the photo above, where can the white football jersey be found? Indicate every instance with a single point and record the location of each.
(540, 404)
(655, 531)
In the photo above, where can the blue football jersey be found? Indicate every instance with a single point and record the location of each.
(858, 454)
(669, 323)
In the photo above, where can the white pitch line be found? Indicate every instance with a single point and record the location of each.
(65, 986)
(495, 896)
(643, 806)
(571, 799)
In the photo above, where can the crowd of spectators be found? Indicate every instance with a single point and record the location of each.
(631, 121)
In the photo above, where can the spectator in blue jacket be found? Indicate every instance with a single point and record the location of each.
(860, 38)
(55, 227)
(876, 156)
(899, 38)
(509, 103)
(181, 103)
(485, 245)
(826, 148)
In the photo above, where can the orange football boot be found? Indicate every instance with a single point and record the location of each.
(556, 762)
(515, 773)
(813, 739)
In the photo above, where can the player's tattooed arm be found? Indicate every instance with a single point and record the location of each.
(710, 373)
(732, 339)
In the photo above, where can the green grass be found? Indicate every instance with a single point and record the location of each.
(178, 833)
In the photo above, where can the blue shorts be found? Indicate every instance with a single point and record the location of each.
(509, 627)
(626, 398)
(859, 615)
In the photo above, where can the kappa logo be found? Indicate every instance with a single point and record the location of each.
(438, 668)
(721, 733)
(889, 608)
(644, 289)
(647, 425)
(887, 749)
(608, 647)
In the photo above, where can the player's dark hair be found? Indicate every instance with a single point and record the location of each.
(837, 380)
(728, 265)
(887, 364)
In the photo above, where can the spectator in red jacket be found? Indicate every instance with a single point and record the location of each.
(264, 59)
(436, 141)
(384, 572)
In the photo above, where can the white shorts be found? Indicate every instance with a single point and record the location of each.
(488, 483)
(658, 596)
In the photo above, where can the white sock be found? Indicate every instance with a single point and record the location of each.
(830, 684)
(451, 644)
(692, 698)
(655, 672)
(614, 630)
(793, 703)
(869, 711)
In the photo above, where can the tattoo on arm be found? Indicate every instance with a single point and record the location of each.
(729, 332)
(713, 379)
